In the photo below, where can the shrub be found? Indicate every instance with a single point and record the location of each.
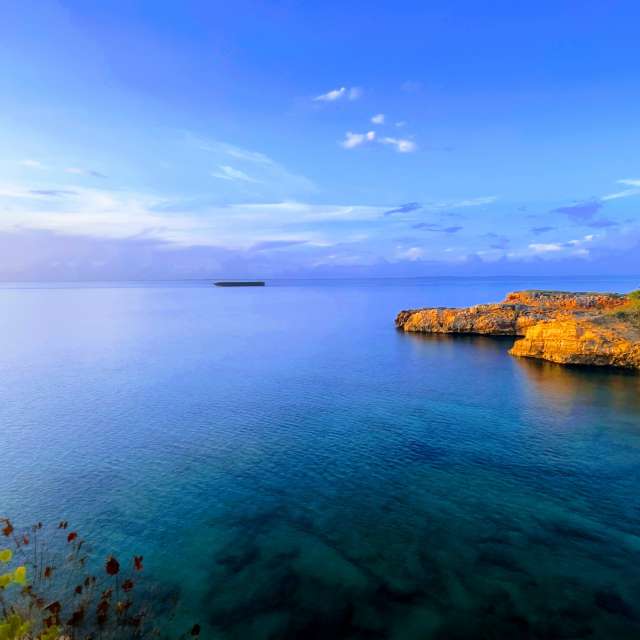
(47, 591)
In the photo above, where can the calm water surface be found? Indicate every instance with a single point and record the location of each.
(292, 467)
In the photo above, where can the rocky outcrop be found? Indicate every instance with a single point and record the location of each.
(569, 328)
(588, 341)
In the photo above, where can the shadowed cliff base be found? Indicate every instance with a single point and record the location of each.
(583, 328)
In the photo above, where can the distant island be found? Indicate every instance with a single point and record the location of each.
(239, 283)
(597, 329)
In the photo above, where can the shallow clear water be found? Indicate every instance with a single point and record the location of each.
(293, 467)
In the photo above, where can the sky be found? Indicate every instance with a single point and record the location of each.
(197, 139)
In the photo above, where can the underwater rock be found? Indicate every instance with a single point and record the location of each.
(614, 604)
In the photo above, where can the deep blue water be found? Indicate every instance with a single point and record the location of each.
(293, 467)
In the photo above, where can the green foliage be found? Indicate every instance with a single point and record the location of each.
(14, 627)
(634, 300)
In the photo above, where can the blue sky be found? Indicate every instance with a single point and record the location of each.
(197, 139)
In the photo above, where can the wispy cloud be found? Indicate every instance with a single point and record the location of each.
(32, 164)
(226, 172)
(122, 214)
(545, 247)
(498, 242)
(584, 211)
(54, 193)
(84, 172)
(576, 247)
(429, 226)
(353, 140)
(258, 166)
(464, 203)
(412, 254)
(378, 118)
(340, 93)
(425, 225)
(539, 230)
(402, 145)
(270, 245)
(625, 193)
(580, 211)
(603, 223)
(404, 208)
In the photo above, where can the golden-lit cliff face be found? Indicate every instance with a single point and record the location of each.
(568, 328)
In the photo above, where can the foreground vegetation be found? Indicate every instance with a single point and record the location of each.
(48, 592)
(630, 312)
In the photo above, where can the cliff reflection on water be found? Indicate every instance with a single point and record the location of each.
(564, 386)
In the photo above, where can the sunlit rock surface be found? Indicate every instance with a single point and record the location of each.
(601, 329)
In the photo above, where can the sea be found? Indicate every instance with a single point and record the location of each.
(292, 466)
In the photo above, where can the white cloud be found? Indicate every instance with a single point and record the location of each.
(119, 214)
(337, 94)
(471, 202)
(225, 172)
(545, 247)
(625, 193)
(378, 118)
(400, 124)
(412, 254)
(402, 145)
(78, 171)
(353, 140)
(331, 96)
(270, 172)
(32, 164)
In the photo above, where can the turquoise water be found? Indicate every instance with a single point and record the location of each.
(293, 467)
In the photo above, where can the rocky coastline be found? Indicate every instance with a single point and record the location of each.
(592, 329)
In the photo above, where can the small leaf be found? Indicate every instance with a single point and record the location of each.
(121, 607)
(137, 562)
(76, 617)
(113, 566)
(127, 585)
(54, 607)
(20, 575)
(72, 536)
(6, 555)
(102, 611)
(106, 595)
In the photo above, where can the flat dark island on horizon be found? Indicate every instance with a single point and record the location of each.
(240, 283)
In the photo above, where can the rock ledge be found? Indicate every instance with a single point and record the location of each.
(597, 329)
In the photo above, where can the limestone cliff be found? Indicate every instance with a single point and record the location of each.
(568, 328)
